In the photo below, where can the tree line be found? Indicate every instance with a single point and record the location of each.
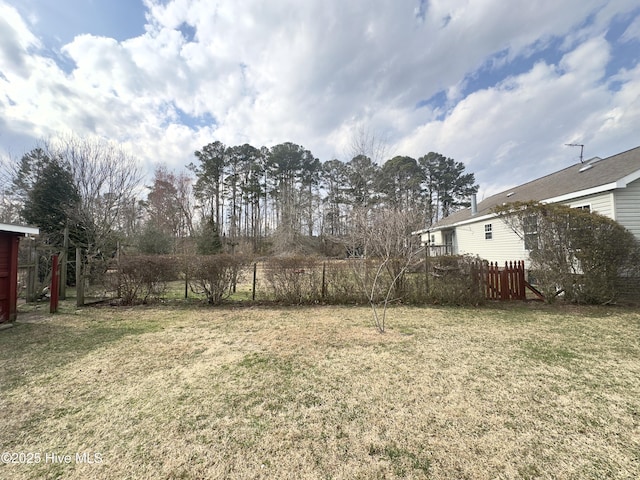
(256, 199)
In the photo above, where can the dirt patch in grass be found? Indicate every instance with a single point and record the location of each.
(518, 392)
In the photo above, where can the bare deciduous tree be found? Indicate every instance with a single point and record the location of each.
(106, 177)
(387, 250)
(9, 204)
(369, 144)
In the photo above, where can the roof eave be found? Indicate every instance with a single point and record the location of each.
(607, 187)
(462, 222)
(24, 230)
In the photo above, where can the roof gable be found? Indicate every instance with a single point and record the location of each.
(594, 176)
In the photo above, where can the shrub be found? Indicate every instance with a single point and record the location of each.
(454, 281)
(578, 253)
(341, 283)
(294, 280)
(143, 276)
(215, 275)
(153, 241)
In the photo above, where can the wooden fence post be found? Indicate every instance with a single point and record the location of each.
(63, 264)
(426, 267)
(32, 272)
(186, 279)
(54, 291)
(79, 279)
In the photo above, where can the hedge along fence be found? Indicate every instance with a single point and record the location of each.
(299, 280)
(289, 280)
(138, 278)
(302, 280)
(628, 289)
(215, 276)
(293, 280)
(453, 280)
(296, 280)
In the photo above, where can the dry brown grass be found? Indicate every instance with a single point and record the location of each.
(164, 392)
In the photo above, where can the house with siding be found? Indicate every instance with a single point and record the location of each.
(609, 186)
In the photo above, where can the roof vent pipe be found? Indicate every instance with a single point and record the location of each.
(474, 204)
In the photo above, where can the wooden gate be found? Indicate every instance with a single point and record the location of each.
(502, 283)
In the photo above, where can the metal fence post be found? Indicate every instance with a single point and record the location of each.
(253, 289)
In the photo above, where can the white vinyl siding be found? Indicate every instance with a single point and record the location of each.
(504, 245)
(622, 205)
(432, 238)
(601, 203)
(628, 207)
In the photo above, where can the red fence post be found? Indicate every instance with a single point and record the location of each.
(492, 281)
(513, 281)
(521, 293)
(53, 291)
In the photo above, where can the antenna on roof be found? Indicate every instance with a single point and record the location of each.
(577, 145)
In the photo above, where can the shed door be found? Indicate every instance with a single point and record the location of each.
(5, 277)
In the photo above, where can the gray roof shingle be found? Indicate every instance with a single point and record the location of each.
(576, 178)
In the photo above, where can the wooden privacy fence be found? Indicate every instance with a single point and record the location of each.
(501, 283)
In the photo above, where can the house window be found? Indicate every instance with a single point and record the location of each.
(488, 232)
(530, 227)
(448, 243)
(586, 208)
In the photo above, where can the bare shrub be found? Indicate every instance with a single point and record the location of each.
(145, 276)
(453, 281)
(215, 275)
(294, 280)
(384, 239)
(341, 284)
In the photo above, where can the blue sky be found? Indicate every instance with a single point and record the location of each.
(57, 22)
(501, 86)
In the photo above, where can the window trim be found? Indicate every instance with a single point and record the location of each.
(530, 233)
(488, 231)
(586, 207)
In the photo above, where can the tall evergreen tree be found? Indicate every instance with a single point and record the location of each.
(399, 181)
(291, 168)
(50, 195)
(210, 174)
(335, 183)
(448, 187)
(361, 175)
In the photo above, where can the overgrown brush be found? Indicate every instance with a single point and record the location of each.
(142, 277)
(294, 280)
(216, 276)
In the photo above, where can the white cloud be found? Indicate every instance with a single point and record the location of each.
(516, 130)
(16, 41)
(314, 72)
(632, 33)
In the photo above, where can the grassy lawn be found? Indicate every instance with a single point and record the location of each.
(521, 391)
